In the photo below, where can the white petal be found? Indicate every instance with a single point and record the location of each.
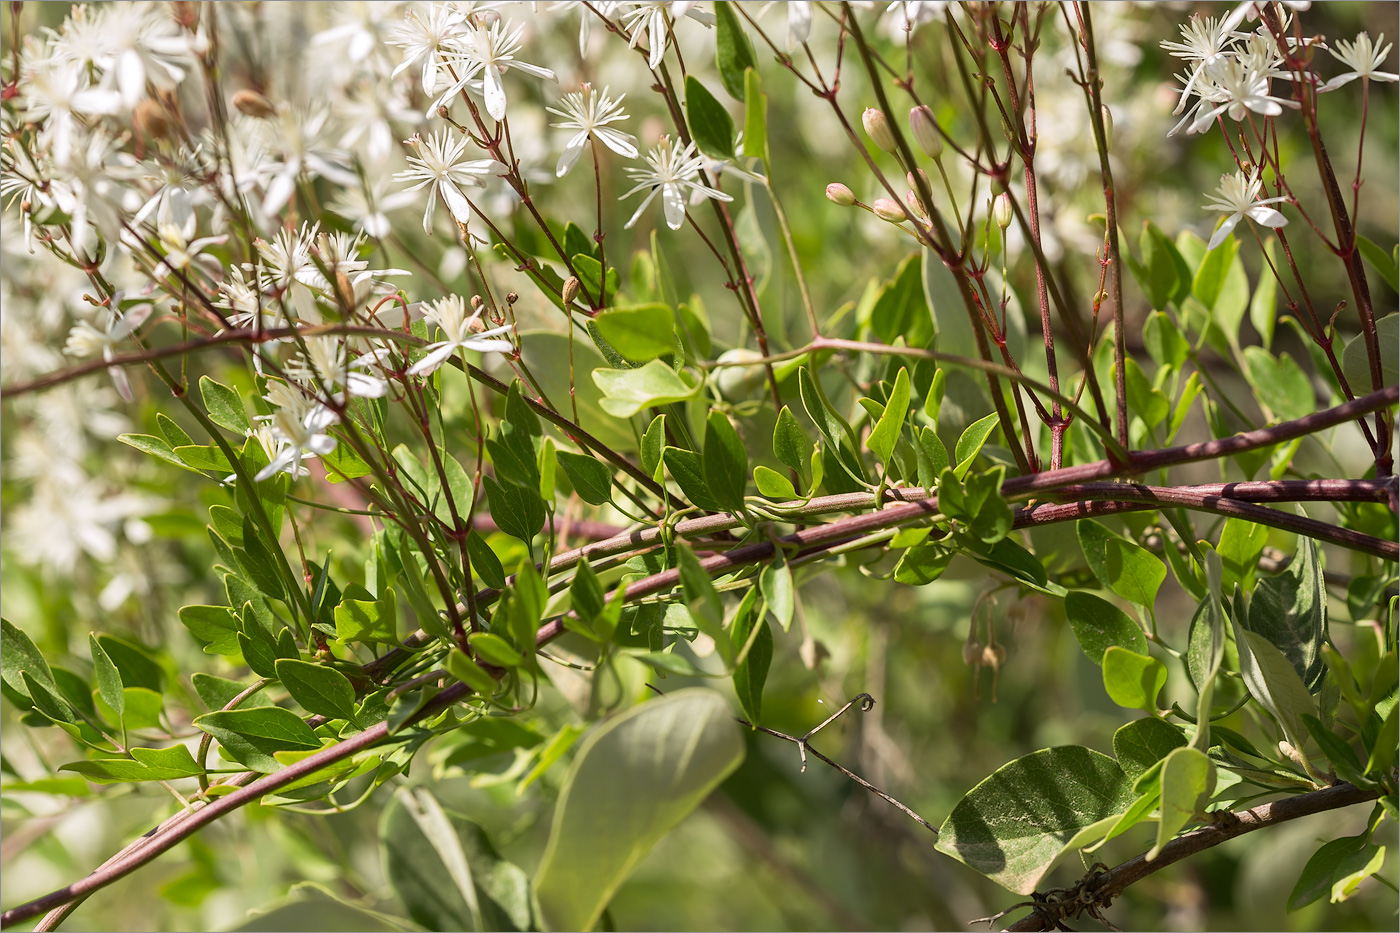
(1266, 216)
(494, 92)
(488, 346)
(321, 444)
(674, 206)
(1223, 231)
(456, 201)
(121, 382)
(572, 150)
(624, 144)
(278, 464)
(645, 201)
(432, 361)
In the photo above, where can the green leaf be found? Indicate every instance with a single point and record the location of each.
(224, 406)
(1383, 752)
(218, 692)
(1274, 682)
(1158, 275)
(888, 429)
(1263, 305)
(1279, 383)
(308, 906)
(1121, 565)
(628, 391)
(343, 463)
(710, 124)
(733, 52)
(1356, 364)
(775, 582)
(172, 432)
(922, 564)
(445, 871)
(319, 689)
(493, 649)
(987, 514)
(688, 470)
(755, 117)
(369, 621)
(145, 764)
(751, 674)
(109, 679)
(516, 510)
(971, 441)
(702, 600)
(790, 444)
(1333, 861)
(1016, 823)
(1145, 399)
(1341, 755)
(1380, 260)
(653, 443)
(485, 563)
(1188, 780)
(258, 560)
(550, 755)
(639, 333)
(1163, 340)
(1221, 285)
(1133, 680)
(18, 655)
(634, 779)
(1289, 609)
(156, 447)
(1241, 544)
(1143, 742)
(726, 463)
(252, 735)
(773, 485)
(1353, 873)
(900, 308)
(137, 668)
(207, 459)
(586, 593)
(590, 477)
(470, 673)
(1099, 625)
(932, 457)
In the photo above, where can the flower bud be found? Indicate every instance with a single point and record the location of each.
(838, 193)
(993, 656)
(925, 129)
(887, 209)
(972, 653)
(149, 117)
(877, 127)
(1107, 126)
(571, 286)
(1001, 210)
(253, 104)
(915, 205)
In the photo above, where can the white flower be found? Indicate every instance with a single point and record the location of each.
(1204, 43)
(589, 113)
(297, 435)
(1239, 196)
(904, 16)
(491, 49)
(673, 170)
(370, 115)
(327, 362)
(1233, 86)
(299, 138)
(182, 252)
(57, 93)
(450, 314)
(141, 43)
(1251, 8)
(358, 31)
(439, 165)
(650, 17)
(289, 272)
(1364, 57)
(799, 24)
(426, 37)
(86, 340)
(604, 9)
(368, 207)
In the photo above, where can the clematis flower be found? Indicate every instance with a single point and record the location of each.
(1364, 57)
(1239, 196)
(589, 113)
(450, 315)
(673, 171)
(86, 340)
(439, 164)
(491, 50)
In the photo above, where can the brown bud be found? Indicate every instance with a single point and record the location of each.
(512, 298)
(253, 104)
(972, 652)
(186, 13)
(993, 656)
(344, 290)
(477, 302)
(150, 119)
(571, 286)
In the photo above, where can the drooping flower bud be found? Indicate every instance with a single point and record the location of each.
(925, 129)
(972, 652)
(838, 193)
(888, 209)
(253, 104)
(877, 127)
(571, 286)
(1001, 210)
(1107, 126)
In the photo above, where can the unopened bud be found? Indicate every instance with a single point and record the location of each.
(489, 18)
(993, 656)
(838, 193)
(1001, 210)
(915, 205)
(888, 209)
(972, 653)
(186, 13)
(925, 129)
(149, 117)
(253, 104)
(877, 127)
(571, 285)
(477, 302)
(1107, 126)
(512, 298)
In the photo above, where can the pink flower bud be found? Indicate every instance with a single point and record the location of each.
(925, 129)
(838, 193)
(888, 209)
(1001, 210)
(877, 127)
